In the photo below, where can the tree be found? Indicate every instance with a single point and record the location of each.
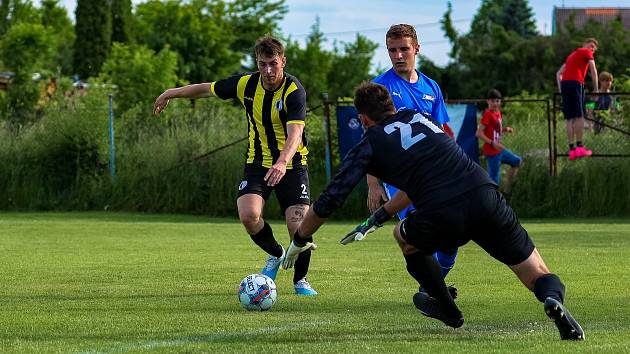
(311, 64)
(22, 48)
(56, 20)
(512, 15)
(502, 34)
(450, 31)
(252, 19)
(518, 17)
(350, 65)
(121, 21)
(197, 31)
(93, 36)
(16, 11)
(139, 74)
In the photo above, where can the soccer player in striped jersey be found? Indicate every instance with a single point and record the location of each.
(275, 109)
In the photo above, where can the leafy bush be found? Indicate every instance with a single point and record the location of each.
(21, 49)
(61, 163)
(139, 73)
(58, 162)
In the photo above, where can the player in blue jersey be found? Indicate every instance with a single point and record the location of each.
(410, 89)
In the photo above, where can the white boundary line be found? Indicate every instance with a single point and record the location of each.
(153, 344)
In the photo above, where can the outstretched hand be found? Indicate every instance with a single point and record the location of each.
(359, 232)
(294, 251)
(372, 223)
(160, 103)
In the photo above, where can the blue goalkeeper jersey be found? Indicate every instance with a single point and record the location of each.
(423, 96)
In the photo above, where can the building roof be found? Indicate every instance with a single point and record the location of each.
(581, 15)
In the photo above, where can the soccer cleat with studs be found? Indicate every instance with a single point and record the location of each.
(272, 266)
(429, 307)
(568, 327)
(304, 288)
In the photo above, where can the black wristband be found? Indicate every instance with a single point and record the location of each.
(380, 217)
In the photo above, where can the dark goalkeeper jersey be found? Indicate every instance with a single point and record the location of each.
(268, 113)
(409, 151)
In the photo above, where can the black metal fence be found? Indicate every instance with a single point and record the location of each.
(606, 131)
(538, 128)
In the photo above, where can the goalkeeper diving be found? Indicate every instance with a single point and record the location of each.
(455, 202)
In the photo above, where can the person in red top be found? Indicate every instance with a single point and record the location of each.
(490, 131)
(570, 78)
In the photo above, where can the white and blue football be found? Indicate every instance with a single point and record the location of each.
(257, 292)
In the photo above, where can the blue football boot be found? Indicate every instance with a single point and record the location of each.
(304, 288)
(272, 266)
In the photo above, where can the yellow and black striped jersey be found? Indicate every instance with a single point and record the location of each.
(268, 113)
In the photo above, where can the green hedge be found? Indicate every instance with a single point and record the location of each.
(61, 163)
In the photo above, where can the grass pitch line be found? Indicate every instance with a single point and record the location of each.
(154, 344)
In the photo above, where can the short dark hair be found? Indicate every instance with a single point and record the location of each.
(493, 94)
(374, 101)
(401, 31)
(269, 46)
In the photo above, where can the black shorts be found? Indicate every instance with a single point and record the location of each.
(572, 99)
(481, 215)
(293, 188)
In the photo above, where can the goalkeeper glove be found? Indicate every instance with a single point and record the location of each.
(372, 223)
(297, 246)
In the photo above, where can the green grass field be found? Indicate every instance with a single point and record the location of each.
(118, 283)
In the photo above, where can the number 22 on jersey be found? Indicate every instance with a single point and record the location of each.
(406, 138)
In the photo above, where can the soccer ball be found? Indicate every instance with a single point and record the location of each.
(257, 292)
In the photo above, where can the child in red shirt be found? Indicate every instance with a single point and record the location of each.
(489, 131)
(570, 79)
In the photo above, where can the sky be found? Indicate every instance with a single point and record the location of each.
(341, 20)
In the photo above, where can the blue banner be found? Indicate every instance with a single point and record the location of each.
(349, 129)
(463, 123)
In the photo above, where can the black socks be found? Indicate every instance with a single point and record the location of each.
(426, 270)
(301, 265)
(549, 285)
(265, 240)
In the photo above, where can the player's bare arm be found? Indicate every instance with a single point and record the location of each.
(277, 171)
(480, 135)
(191, 91)
(399, 202)
(594, 77)
(559, 75)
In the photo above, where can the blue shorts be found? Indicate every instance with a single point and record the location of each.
(572, 99)
(505, 157)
